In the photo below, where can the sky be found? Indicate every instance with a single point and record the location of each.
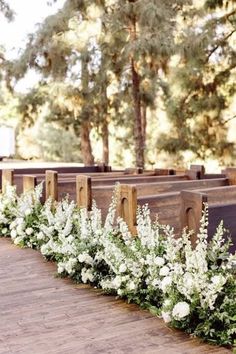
(13, 35)
(28, 13)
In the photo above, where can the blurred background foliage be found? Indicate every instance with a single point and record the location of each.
(126, 82)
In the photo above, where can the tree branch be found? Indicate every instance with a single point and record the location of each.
(221, 41)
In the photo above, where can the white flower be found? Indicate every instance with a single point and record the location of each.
(60, 267)
(167, 302)
(13, 233)
(29, 231)
(19, 230)
(181, 310)
(70, 238)
(116, 283)
(218, 280)
(159, 261)
(85, 258)
(166, 316)
(165, 283)
(4, 230)
(20, 221)
(12, 225)
(131, 286)
(27, 212)
(87, 275)
(40, 235)
(164, 271)
(122, 268)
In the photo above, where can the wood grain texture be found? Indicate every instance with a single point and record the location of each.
(42, 314)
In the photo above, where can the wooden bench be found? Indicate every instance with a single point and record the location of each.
(16, 177)
(221, 206)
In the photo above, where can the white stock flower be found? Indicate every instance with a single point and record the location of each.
(60, 267)
(181, 310)
(122, 268)
(116, 282)
(165, 283)
(159, 261)
(164, 271)
(85, 258)
(131, 286)
(4, 230)
(87, 275)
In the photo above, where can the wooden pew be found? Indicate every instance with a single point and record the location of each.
(221, 206)
(111, 176)
(66, 169)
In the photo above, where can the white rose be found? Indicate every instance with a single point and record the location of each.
(181, 310)
(122, 268)
(159, 261)
(164, 271)
(166, 316)
(29, 231)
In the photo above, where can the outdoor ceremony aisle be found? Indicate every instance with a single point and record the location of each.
(40, 313)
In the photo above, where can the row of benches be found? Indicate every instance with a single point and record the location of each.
(177, 198)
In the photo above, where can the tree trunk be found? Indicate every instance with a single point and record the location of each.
(86, 148)
(105, 142)
(85, 127)
(144, 126)
(138, 136)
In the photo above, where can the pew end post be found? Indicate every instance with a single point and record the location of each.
(196, 172)
(127, 206)
(231, 175)
(51, 185)
(7, 179)
(29, 183)
(192, 207)
(83, 192)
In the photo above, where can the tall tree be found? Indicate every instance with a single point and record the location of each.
(201, 83)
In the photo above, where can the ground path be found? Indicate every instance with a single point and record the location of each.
(40, 313)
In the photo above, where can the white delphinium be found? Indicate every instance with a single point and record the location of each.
(84, 224)
(124, 231)
(96, 218)
(110, 219)
(146, 233)
(211, 291)
(165, 284)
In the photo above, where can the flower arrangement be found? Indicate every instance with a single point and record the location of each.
(191, 288)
